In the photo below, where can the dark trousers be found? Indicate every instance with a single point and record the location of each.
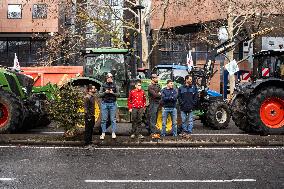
(153, 113)
(89, 125)
(137, 114)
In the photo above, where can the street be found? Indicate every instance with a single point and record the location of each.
(78, 167)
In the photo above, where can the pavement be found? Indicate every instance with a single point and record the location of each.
(201, 137)
(139, 168)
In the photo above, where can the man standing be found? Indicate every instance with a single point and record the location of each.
(169, 100)
(187, 97)
(108, 92)
(136, 105)
(89, 105)
(154, 93)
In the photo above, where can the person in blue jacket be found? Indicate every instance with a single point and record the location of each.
(187, 98)
(169, 100)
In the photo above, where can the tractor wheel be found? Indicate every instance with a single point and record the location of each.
(266, 111)
(11, 112)
(218, 115)
(239, 114)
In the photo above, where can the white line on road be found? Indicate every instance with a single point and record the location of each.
(52, 132)
(6, 179)
(169, 181)
(139, 148)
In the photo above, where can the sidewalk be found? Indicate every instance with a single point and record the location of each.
(202, 136)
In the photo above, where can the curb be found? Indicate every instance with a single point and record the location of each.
(144, 144)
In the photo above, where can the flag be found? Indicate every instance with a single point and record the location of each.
(189, 60)
(16, 63)
(232, 67)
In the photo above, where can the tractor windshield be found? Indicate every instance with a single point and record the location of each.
(97, 66)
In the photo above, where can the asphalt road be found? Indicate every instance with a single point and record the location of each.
(71, 167)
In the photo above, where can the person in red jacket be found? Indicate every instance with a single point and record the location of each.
(136, 105)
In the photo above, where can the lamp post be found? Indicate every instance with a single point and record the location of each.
(139, 7)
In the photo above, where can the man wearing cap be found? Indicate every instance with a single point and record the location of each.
(154, 93)
(108, 92)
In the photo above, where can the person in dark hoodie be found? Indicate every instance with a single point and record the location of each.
(108, 92)
(89, 105)
(169, 100)
(187, 98)
(154, 94)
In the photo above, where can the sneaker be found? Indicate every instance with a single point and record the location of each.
(102, 137)
(141, 136)
(182, 134)
(132, 136)
(156, 136)
(113, 136)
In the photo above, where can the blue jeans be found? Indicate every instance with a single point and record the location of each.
(108, 110)
(173, 113)
(187, 116)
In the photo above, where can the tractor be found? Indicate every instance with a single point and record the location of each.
(20, 107)
(212, 109)
(258, 105)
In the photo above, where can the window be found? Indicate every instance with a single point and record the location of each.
(39, 11)
(15, 11)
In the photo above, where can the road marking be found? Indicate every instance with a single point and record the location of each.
(169, 181)
(7, 179)
(52, 132)
(139, 148)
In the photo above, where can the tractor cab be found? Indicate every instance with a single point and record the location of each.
(269, 64)
(172, 72)
(100, 61)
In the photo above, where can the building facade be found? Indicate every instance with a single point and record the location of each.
(24, 26)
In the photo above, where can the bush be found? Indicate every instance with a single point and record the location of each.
(67, 108)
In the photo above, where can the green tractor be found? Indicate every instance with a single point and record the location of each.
(119, 62)
(258, 105)
(20, 108)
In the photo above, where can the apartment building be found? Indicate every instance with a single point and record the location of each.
(24, 27)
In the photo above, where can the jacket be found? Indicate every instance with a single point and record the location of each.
(187, 98)
(89, 105)
(169, 98)
(153, 93)
(109, 97)
(136, 99)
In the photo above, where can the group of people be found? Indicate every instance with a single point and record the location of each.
(186, 96)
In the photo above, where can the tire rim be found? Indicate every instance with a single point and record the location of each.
(272, 112)
(221, 116)
(4, 115)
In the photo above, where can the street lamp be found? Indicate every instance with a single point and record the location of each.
(139, 7)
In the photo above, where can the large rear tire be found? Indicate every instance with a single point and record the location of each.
(218, 115)
(266, 111)
(11, 112)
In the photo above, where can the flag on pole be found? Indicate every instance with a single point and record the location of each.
(16, 63)
(189, 60)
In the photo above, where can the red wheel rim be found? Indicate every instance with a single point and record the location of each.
(4, 115)
(272, 112)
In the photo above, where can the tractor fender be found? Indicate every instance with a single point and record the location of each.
(264, 83)
(81, 81)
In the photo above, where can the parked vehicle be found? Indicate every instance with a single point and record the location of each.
(258, 105)
(20, 107)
